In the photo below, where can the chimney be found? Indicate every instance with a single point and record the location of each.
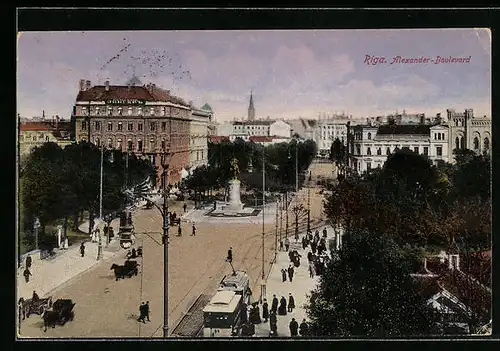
(82, 84)
(106, 85)
(87, 83)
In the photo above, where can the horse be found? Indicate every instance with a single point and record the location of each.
(120, 271)
(50, 318)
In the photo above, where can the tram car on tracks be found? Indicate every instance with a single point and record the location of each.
(239, 282)
(222, 315)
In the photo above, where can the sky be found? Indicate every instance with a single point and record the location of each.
(291, 73)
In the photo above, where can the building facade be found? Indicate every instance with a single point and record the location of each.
(198, 137)
(371, 145)
(327, 130)
(34, 134)
(145, 120)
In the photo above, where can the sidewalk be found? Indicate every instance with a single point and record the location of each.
(301, 286)
(49, 274)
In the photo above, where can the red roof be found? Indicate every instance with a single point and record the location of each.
(218, 138)
(261, 139)
(36, 126)
(99, 93)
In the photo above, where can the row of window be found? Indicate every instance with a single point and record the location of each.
(330, 127)
(34, 138)
(130, 126)
(251, 127)
(438, 136)
(359, 136)
(130, 144)
(486, 143)
(439, 150)
(110, 111)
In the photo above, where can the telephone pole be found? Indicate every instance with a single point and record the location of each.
(263, 283)
(165, 245)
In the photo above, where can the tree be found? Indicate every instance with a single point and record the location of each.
(368, 292)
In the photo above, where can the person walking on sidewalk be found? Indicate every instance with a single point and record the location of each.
(287, 244)
(291, 302)
(283, 274)
(274, 304)
(185, 207)
(304, 328)
(311, 270)
(282, 308)
(82, 249)
(325, 233)
(193, 233)
(27, 274)
(146, 310)
(179, 230)
(265, 311)
(294, 326)
(142, 313)
(229, 255)
(28, 261)
(290, 273)
(273, 323)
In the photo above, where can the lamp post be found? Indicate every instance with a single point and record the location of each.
(263, 283)
(281, 217)
(308, 209)
(164, 213)
(36, 226)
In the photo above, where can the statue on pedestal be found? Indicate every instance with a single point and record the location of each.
(235, 169)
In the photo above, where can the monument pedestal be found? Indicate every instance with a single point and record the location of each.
(234, 203)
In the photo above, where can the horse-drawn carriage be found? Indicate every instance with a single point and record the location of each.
(29, 306)
(129, 269)
(61, 312)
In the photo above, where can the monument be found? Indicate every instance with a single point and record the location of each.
(234, 203)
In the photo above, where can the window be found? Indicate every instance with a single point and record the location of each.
(388, 151)
(462, 142)
(110, 126)
(34, 138)
(152, 126)
(84, 111)
(152, 111)
(369, 136)
(139, 127)
(457, 143)
(97, 110)
(358, 149)
(139, 111)
(369, 151)
(435, 136)
(120, 111)
(486, 143)
(110, 143)
(152, 144)
(84, 125)
(368, 166)
(426, 151)
(98, 125)
(439, 136)
(163, 144)
(476, 143)
(163, 111)
(130, 111)
(120, 126)
(97, 141)
(139, 145)
(119, 144)
(442, 136)
(415, 149)
(110, 111)
(379, 151)
(47, 138)
(129, 145)
(439, 150)
(130, 126)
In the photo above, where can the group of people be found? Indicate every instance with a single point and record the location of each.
(27, 271)
(290, 270)
(143, 312)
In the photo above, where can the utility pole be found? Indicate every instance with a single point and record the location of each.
(286, 214)
(100, 186)
(308, 209)
(281, 217)
(297, 167)
(276, 232)
(37, 226)
(165, 246)
(263, 284)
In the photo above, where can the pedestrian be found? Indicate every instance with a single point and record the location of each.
(27, 274)
(325, 233)
(229, 255)
(34, 297)
(282, 308)
(194, 230)
(142, 313)
(28, 261)
(281, 245)
(304, 328)
(296, 237)
(309, 256)
(82, 249)
(287, 244)
(283, 274)
(290, 273)
(311, 270)
(185, 207)
(244, 313)
(313, 247)
(291, 302)
(273, 323)
(179, 230)
(304, 243)
(146, 310)
(294, 326)
(316, 233)
(265, 311)
(274, 304)
(254, 317)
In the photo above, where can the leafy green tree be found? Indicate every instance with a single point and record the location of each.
(369, 292)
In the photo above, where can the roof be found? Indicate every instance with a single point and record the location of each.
(206, 107)
(240, 280)
(260, 139)
(218, 138)
(223, 301)
(99, 93)
(418, 129)
(36, 126)
(261, 122)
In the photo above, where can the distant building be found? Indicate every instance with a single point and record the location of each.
(251, 109)
(33, 134)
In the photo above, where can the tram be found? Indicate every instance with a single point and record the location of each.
(222, 315)
(239, 282)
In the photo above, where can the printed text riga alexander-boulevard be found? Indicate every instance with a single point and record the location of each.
(377, 60)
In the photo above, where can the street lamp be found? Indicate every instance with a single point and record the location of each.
(309, 208)
(36, 226)
(99, 248)
(263, 283)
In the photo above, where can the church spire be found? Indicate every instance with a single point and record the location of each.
(251, 108)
